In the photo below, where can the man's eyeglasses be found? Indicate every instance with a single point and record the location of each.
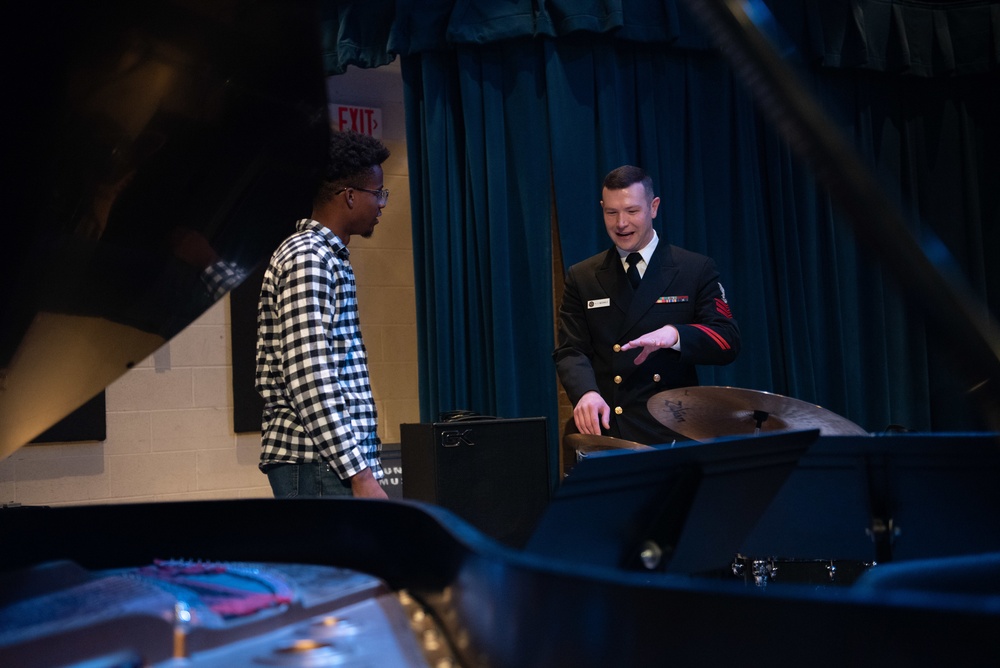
(381, 195)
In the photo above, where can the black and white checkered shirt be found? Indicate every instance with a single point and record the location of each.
(312, 367)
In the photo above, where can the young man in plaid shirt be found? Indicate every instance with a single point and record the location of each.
(319, 422)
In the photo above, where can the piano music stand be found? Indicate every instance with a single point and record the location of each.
(887, 498)
(684, 509)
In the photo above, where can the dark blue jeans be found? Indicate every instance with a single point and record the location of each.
(304, 480)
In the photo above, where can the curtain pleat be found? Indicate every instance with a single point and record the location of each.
(914, 37)
(482, 237)
(351, 35)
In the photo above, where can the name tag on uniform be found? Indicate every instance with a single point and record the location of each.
(672, 299)
(599, 303)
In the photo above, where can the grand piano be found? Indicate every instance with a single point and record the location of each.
(155, 146)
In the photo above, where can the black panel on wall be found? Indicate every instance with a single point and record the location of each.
(86, 423)
(247, 404)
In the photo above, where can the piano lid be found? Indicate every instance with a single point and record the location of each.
(158, 152)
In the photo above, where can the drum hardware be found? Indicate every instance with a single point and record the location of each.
(706, 412)
(760, 570)
(759, 418)
(818, 572)
(650, 555)
(880, 530)
(586, 444)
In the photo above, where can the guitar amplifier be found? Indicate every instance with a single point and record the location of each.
(493, 473)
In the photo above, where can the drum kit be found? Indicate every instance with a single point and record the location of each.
(587, 444)
(704, 413)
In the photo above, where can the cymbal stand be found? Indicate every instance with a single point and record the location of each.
(759, 417)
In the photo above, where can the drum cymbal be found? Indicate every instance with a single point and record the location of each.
(585, 443)
(702, 413)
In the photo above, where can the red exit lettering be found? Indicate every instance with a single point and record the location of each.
(365, 120)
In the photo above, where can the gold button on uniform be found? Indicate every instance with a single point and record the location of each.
(656, 378)
(618, 410)
(618, 379)
(617, 348)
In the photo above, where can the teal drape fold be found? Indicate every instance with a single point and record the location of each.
(516, 110)
(915, 37)
(907, 36)
(355, 33)
(477, 140)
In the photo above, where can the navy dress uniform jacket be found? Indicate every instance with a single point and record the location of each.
(600, 312)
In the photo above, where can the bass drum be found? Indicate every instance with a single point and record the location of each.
(816, 572)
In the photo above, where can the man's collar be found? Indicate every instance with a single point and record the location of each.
(336, 243)
(646, 251)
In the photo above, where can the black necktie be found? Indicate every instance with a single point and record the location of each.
(633, 269)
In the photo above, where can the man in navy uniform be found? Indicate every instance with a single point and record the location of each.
(636, 320)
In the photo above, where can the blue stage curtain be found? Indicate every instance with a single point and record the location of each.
(481, 183)
(914, 37)
(516, 110)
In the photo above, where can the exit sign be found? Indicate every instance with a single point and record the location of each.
(365, 120)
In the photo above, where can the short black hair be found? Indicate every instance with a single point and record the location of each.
(352, 157)
(626, 175)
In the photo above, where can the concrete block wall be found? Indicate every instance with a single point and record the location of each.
(170, 430)
(169, 434)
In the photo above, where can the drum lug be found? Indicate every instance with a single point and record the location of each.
(762, 570)
(880, 530)
(650, 555)
(819, 572)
